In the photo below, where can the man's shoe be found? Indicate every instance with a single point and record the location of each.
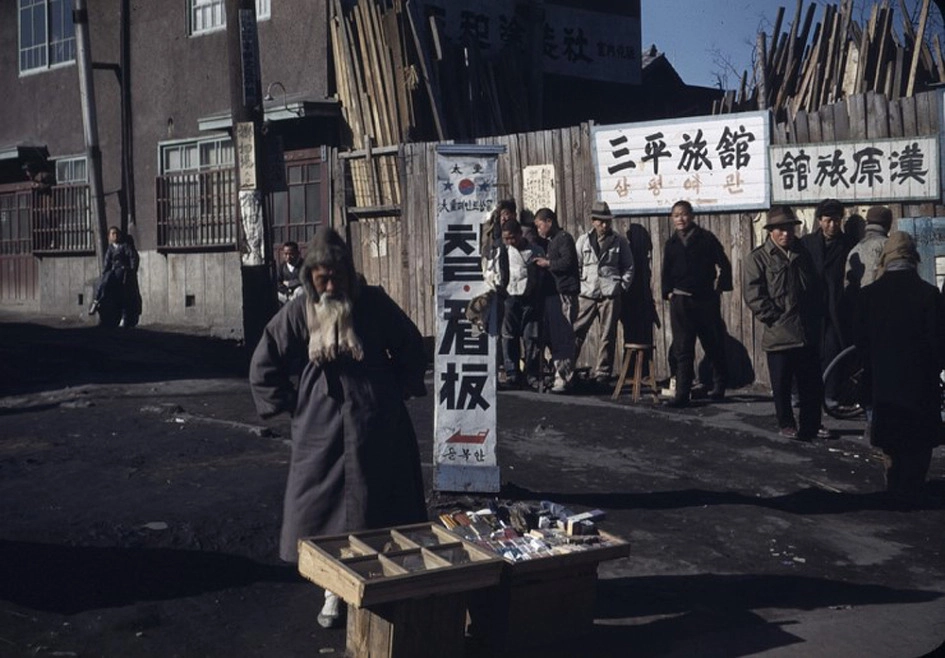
(717, 394)
(788, 432)
(677, 403)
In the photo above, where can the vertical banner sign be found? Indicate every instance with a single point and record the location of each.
(465, 360)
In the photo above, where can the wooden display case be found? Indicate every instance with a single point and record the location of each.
(542, 600)
(406, 587)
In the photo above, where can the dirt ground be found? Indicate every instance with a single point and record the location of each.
(142, 501)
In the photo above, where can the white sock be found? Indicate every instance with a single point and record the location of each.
(330, 609)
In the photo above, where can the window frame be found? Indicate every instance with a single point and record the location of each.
(263, 13)
(195, 202)
(71, 161)
(48, 44)
(283, 228)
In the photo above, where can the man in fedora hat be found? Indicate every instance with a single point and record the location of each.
(606, 268)
(695, 273)
(782, 289)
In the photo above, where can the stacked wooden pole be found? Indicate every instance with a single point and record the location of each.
(841, 58)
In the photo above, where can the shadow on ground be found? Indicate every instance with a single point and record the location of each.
(811, 500)
(73, 356)
(71, 579)
(707, 614)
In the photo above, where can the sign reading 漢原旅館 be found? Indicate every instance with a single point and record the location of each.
(577, 42)
(464, 434)
(717, 163)
(869, 170)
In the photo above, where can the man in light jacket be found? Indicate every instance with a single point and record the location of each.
(606, 269)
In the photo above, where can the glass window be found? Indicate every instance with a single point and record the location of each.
(47, 34)
(210, 15)
(198, 155)
(71, 171)
(299, 208)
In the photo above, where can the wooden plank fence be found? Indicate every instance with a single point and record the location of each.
(405, 265)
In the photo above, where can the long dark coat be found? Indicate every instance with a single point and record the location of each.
(355, 462)
(900, 329)
(830, 263)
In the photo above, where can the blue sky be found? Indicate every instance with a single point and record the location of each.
(698, 35)
(692, 33)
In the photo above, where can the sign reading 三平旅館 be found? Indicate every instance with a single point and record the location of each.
(464, 441)
(717, 163)
(896, 169)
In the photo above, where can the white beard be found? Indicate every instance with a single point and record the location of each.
(330, 330)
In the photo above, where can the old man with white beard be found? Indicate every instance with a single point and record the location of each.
(355, 463)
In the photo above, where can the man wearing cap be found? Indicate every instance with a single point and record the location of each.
(355, 356)
(863, 259)
(695, 273)
(828, 250)
(782, 289)
(900, 330)
(606, 268)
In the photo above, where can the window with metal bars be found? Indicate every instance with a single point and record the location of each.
(196, 195)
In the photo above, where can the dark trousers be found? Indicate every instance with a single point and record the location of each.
(832, 346)
(800, 364)
(691, 318)
(906, 471)
(520, 324)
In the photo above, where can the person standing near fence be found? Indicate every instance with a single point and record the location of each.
(828, 250)
(560, 301)
(518, 291)
(863, 260)
(695, 273)
(606, 269)
(782, 289)
(900, 330)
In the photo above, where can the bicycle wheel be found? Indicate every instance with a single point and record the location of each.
(844, 376)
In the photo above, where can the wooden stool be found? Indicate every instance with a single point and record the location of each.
(636, 352)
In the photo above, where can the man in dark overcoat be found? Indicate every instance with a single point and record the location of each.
(828, 249)
(900, 329)
(355, 463)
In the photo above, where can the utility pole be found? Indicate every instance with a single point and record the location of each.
(259, 297)
(80, 17)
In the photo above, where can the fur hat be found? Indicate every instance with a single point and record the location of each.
(327, 249)
(781, 216)
(829, 208)
(879, 215)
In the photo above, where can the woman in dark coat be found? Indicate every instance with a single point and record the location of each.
(901, 332)
(355, 462)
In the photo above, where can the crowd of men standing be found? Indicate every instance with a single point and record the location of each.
(813, 295)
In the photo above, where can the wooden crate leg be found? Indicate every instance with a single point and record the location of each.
(430, 627)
